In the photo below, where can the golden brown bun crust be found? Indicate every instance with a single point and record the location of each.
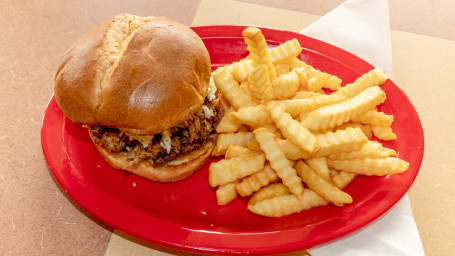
(160, 79)
(74, 90)
(179, 169)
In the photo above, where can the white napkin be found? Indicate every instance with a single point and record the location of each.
(362, 27)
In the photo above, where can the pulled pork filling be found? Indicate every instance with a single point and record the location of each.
(166, 146)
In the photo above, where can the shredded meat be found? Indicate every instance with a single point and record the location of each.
(185, 137)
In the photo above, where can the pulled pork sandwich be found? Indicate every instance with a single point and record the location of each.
(142, 87)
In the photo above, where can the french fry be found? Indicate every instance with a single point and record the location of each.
(342, 179)
(383, 132)
(282, 88)
(375, 77)
(371, 149)
(244, 128)
(254, 145)
(254, 182)
(374, 117)
(292, 129)
(285, 52)
(366, 129)
(273, 129)
(302, 118)
(287, 204)
(246, 89)
(320, 79)
(228, 124)
(252, 116)
(306, 95)
(236, 150)
(346, 140)
(259, 81)
(281, 69)
(269, 191)
(229, 170)
(259, 52)
(327, 117)
(321, 186)
(316, 83)
(333, 172)
(291, 151)
(241, 70)
(296, 107)
(296, 63)
(226, 139)
(333, 83)
(303, 78)
(312, 72)
(319, 166)
(230, 89)
(371, 166)
(278, 160)
(226, 193)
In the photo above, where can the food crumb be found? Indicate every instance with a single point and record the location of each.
(134, 184)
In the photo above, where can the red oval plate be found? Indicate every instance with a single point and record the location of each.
(185, 216)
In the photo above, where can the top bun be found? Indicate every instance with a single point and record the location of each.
(139, 74)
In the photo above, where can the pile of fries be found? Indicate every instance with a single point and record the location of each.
(293, 137)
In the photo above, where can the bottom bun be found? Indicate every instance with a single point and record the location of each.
(175, 170)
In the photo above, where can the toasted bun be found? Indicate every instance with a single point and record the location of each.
(178, 169)
(139, 74)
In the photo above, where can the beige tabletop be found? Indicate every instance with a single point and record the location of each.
(38, 218)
